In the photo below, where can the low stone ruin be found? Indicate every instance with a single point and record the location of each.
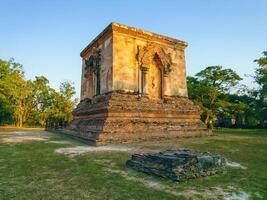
(179, 165)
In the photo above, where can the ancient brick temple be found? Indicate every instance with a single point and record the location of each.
(133, 87)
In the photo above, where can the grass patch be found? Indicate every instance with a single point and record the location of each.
(33, 170)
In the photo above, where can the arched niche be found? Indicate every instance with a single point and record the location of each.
(155, 65)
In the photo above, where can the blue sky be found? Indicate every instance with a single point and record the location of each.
(47, 36)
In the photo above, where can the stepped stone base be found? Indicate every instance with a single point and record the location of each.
(122, 117)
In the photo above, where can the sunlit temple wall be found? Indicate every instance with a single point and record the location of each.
(88, 83)
(126, 71)
(120, 66)
(125, 66)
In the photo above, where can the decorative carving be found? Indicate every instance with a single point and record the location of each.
(153, 81)
(147, 53)
(94, 63)
(167, 69)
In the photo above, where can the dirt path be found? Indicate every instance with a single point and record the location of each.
(11, 136)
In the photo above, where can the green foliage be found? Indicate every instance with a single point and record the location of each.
(40, 100)
(6, 115)
(61, 107)
(261, 75)
(216, 76)
(14, 89)
(212, 90)
(261, 92)
(205, 96)
(207, 90)
(33, 103)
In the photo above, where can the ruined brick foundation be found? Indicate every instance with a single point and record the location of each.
(178, 165)
(121, 117)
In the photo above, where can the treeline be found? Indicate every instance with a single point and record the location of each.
(226, 103)
(32, 102)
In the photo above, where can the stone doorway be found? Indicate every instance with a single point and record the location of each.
(154, 78)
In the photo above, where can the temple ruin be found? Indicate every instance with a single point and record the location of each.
(133, 87)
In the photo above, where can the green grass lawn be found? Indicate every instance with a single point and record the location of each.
(33, 170)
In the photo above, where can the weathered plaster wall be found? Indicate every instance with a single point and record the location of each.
(125, 71)
(88, 82)
(120, 69)
(106, 66)
(126, 75)
(177, 77)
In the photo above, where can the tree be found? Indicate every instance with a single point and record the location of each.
(32, 102)
(207, 89)
(261, 92)
(6, 110)
(6, 114)
(205, 97)
(40, 101)
(14, 89)
(60, 109)
(242, 109)
(216, 76)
